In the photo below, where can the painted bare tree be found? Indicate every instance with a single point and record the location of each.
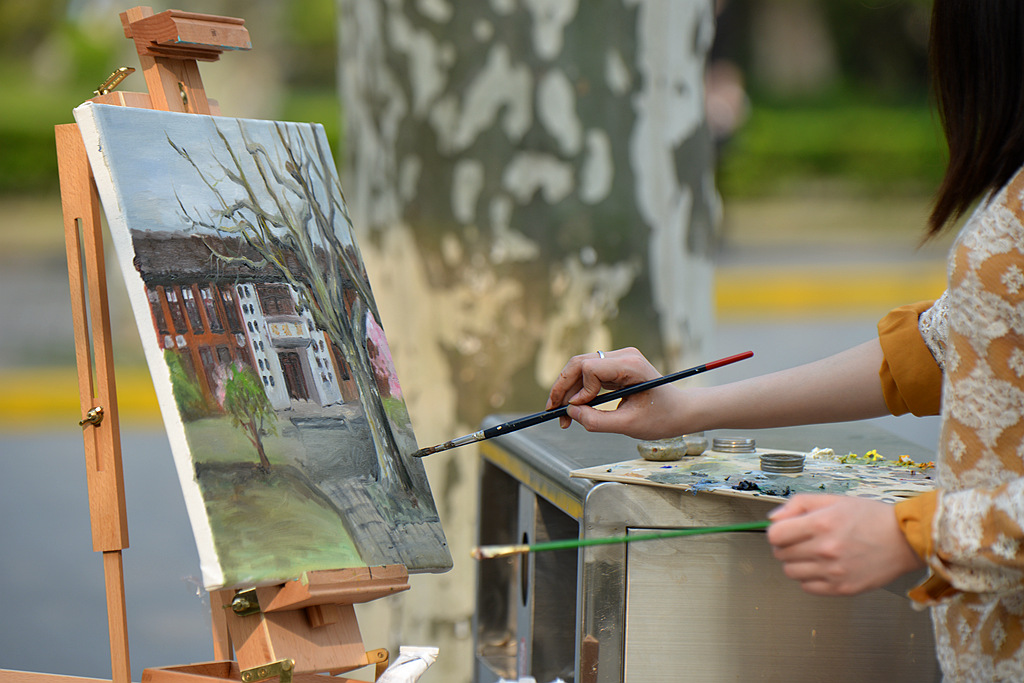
(530, 179)
(286, 205)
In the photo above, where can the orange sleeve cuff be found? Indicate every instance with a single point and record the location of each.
(911, 379)
(916, 517)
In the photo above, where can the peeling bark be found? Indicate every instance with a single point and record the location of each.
(531, 179)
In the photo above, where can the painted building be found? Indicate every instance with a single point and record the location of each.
(292, 357)
(214, 313)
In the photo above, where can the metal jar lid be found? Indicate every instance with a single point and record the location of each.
(782, 463)
(732, 444)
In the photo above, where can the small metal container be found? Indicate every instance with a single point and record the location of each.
(782, 463)
(732, 444)
(674, 448)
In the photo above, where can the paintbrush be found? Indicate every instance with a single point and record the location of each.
(545, 415)
(487, 552)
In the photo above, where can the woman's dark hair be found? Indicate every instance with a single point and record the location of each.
(977, 66)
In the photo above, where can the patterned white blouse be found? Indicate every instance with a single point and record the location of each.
(970, 531)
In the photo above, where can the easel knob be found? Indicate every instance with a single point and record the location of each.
(93, 417)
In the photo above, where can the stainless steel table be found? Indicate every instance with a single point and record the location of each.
(704, 608)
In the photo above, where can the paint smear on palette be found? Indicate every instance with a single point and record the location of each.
(740, 475)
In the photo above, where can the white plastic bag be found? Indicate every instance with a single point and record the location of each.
(409, 665)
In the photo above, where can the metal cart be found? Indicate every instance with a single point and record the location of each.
(703, 608)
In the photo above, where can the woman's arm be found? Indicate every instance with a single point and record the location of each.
(838, 388)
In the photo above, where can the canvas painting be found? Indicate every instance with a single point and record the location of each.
(287, 423)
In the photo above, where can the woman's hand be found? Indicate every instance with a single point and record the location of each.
(837, 545)
(838, 388)
(651, 414)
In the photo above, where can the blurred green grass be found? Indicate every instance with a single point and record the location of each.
(54, 54)
(29, 159)
(877, 148)
(26, 129)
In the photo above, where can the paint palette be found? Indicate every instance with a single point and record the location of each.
(740, 475)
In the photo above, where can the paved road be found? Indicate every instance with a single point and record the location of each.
(54, 603)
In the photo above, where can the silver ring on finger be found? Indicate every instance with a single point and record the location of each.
(600, 354)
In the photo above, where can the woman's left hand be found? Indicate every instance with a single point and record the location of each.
(836, 545)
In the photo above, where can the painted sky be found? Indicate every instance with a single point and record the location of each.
(152, 175)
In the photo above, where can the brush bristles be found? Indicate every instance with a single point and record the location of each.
(488, 552)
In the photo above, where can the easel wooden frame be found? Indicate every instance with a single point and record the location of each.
(286, 631)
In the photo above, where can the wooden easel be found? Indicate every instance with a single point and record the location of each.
(287, 631)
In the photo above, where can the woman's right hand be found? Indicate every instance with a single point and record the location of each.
(652, 414)
(841, 387)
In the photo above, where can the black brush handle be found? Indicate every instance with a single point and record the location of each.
(545, 415)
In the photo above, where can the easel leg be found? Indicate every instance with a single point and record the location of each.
(219, 603)
(90, 312)
(117, 617)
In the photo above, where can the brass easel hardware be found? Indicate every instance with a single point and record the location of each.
(379, 658)
(184, 95)
(281, 669)
(93, 417)
(245, 603)
(114, 80)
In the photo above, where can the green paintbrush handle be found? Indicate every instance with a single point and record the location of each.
(582, 542)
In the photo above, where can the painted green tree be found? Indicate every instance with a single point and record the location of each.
(245, 402)
(188, 395)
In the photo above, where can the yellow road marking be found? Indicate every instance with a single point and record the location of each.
(35, 397)
(823, 290)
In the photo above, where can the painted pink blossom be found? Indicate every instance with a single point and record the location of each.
(380, 355)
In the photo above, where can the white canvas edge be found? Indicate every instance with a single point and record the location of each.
(110, 197)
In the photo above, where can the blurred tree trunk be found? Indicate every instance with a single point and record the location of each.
(531, 179)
